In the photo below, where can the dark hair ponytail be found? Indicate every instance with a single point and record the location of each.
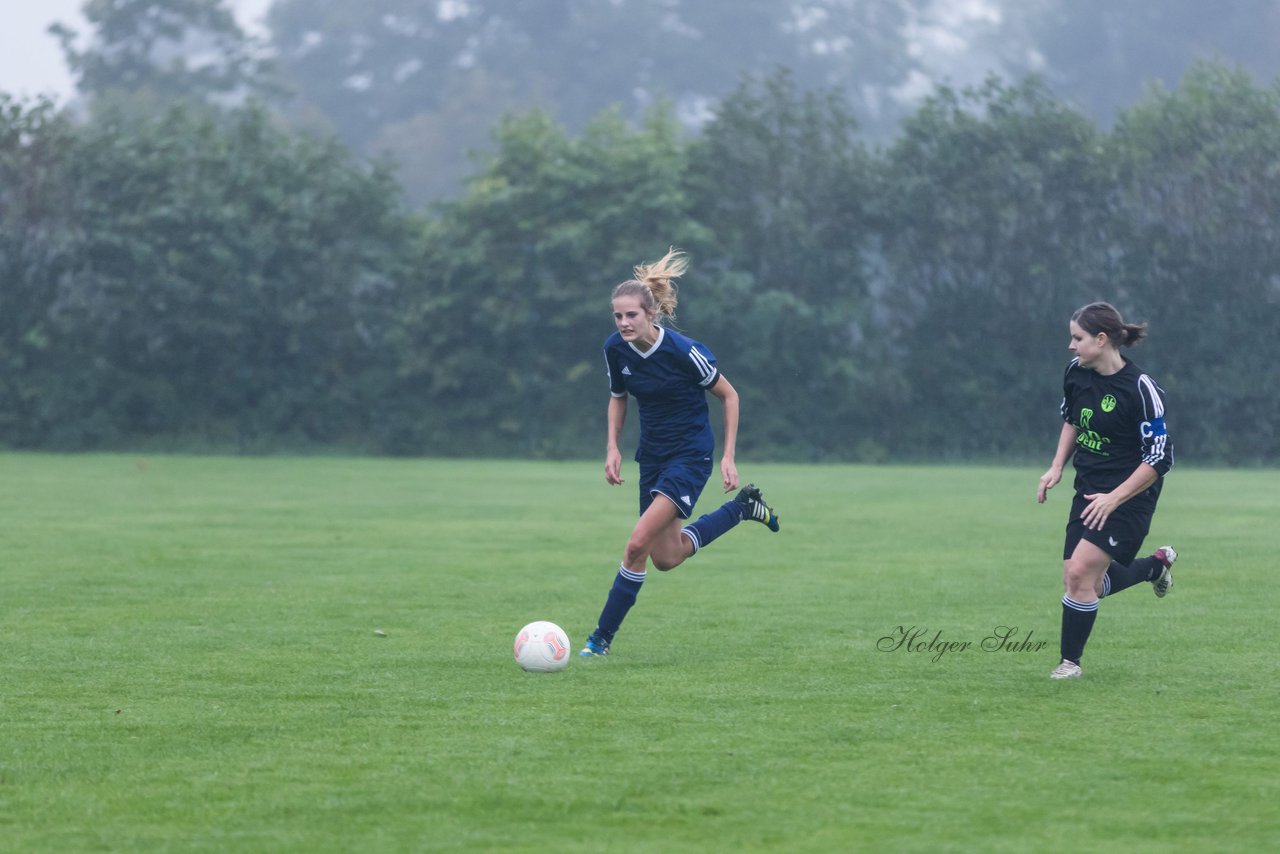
(1098, 317)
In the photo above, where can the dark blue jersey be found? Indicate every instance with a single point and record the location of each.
(669, 381)
(1120, 419)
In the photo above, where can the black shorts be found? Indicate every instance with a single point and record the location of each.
(1123, 533)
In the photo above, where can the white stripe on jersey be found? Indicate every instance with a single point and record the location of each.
(1157, 451)
(1064, 407)
(1148, 385)
(1150, 394)
(703, 366)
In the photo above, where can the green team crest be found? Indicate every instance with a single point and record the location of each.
(1108, 403)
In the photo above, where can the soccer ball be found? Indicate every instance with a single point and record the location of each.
(542, 647)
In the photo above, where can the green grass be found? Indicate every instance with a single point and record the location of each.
(188, 662)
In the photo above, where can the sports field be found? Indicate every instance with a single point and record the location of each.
(188, 662)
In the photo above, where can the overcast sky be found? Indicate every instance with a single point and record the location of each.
(31, 60)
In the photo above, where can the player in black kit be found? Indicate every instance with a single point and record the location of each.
(1115, 427)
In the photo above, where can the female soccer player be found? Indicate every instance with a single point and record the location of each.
(669, 375)
(1114, 416)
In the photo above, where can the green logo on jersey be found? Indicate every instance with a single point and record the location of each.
(1108, 403)
(1089, 438)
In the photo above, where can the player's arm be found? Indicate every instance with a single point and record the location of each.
(612, 455)
(728, 395)
(1101, 504)
(1157, 446)
(1066, 447)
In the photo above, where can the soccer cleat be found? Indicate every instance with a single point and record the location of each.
(1166, 555)
(753, 507)
(1066, 670)
(595, 646)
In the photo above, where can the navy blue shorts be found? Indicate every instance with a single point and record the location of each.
(1123, 533)
(680, 480)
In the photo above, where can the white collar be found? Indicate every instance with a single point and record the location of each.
(653, 348)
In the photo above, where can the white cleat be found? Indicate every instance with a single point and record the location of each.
(1166, 555)
(1066, 670)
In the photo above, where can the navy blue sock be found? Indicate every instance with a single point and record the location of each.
(1077, 623)
(626, 586)
(713, 524)
(1120, 577)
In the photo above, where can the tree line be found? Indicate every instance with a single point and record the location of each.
(425, 81)
(206, 278)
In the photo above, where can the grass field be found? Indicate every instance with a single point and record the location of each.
(188, 661)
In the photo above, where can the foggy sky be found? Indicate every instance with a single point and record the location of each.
(31, 60)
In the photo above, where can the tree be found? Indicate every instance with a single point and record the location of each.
(37, 149)
(162, 50)
(501, 342)
(377, 71)
(228, 284)
(1101, 55)
(994, 229)
(1198, 191)
(783, 183)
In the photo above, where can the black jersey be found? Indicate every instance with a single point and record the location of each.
(1120, 419)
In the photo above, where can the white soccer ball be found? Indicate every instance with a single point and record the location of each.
(542, 647)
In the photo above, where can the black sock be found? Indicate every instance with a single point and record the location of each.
(1120, 577)
(1077, 623)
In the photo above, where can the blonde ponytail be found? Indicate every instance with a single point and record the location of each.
(655, 284)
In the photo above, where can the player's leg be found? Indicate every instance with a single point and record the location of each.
(671, 546)
(1125, 530)
(1082, 571)
(682, 482)
(657, 529)
(1155, 568)
(747, 504)
(659, 515)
